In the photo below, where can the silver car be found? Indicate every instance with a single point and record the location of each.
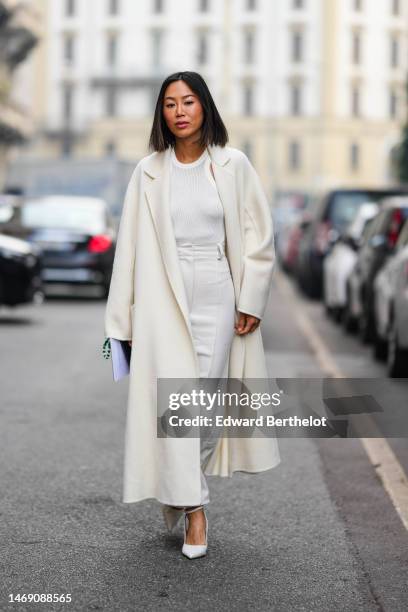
(338, 264)
(391, 309)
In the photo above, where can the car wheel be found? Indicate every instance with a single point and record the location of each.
(380, 348)
(105, 290)
(365, 325)
(338, 314)
(397, 357)
(348, 322)
(328, 310)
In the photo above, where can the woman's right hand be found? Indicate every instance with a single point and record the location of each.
(130, 342)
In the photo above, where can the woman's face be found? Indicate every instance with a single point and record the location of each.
(182, 110)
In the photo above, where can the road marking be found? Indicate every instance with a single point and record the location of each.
(379, 452)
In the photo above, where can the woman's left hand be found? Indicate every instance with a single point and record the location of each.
(246, 323)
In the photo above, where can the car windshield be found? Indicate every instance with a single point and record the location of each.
(67, 216)
(345, 205)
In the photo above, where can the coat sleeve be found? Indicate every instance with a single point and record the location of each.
(259, 247)
(118, 322)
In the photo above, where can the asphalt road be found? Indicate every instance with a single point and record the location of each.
(317, 533)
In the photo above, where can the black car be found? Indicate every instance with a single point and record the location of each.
(378, 245)
(331, 215)
(20, 272)
(77, 238)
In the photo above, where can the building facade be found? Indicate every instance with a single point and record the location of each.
(312, 90)
(20, 30)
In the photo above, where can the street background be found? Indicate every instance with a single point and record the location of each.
(314, 92)
(318, 532)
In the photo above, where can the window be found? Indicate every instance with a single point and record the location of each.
(204, 6)
(393, 104)
(396, 7)
(354, 156)
(202, 48)
(294, 155)
(69, 49)
(157, 43)
(112, 49)
(355, 101)
(247, 148)
(158, 6)
(356, 47)
(251, 5)
(113, 7)
(249, 46)
(297, 46)
(358, 5)
(394, 51)
(111, 100)
(67, 101)
(248, 99)
(295, 99)
(69, 8)
(110, 147)
(298, 4)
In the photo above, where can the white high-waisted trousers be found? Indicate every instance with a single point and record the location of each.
(211, 300)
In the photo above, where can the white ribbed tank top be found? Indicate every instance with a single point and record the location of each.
(196, 209)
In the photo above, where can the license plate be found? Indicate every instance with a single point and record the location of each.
(63, 274)
(48, 245)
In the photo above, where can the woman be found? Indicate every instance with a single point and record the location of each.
(190, 283)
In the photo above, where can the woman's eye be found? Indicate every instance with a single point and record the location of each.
(170, 104)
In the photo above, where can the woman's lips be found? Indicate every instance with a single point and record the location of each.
(182, 124)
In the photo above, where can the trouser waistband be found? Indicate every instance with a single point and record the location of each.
(192, 248)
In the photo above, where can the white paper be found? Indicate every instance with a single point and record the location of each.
(120, 358)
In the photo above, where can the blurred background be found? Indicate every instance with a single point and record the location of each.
(315, 93)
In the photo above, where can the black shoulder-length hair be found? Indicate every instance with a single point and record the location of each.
(213, 130)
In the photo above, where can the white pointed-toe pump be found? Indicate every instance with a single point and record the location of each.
(171, 516)
(193, 551)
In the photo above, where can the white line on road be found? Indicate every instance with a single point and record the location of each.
(379, 452)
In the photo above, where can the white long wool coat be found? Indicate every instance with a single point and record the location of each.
(147, 304)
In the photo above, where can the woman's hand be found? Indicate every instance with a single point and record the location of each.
(246, 324)
(130, 342)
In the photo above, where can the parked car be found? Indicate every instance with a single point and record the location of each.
(339, 262)
(378, 245)
(288, 245)
(390, 291)
(20, 272)
(283, 220)
(77, 237)
(331, 215)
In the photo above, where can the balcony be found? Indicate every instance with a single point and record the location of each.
(19, 31)
(6, 10)
(119, 78)
(15, 127)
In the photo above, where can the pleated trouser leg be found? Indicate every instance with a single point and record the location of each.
(210, 295)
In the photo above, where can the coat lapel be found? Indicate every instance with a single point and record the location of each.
(225, 181)
(157, 191)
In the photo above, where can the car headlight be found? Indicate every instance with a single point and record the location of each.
(30, 261)
(7, 254)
